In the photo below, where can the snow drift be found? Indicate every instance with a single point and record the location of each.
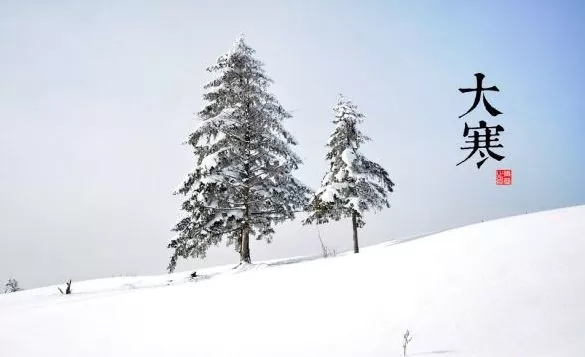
(511, 287)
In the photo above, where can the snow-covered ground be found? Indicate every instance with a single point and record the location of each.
(511, 287)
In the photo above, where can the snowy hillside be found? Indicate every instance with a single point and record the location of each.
(511, 287)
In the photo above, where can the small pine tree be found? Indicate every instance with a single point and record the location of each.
(353, 184)
(242, 184)
(11, 286)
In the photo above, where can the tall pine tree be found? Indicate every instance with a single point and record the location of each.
(242, 184)
(353, 184)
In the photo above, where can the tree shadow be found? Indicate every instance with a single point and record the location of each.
(439, 352)
(294, 260)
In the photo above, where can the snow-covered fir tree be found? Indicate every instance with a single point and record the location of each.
(242, 184)
(353, 184)
(11, 286)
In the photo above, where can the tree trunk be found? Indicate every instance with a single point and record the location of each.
(245, 240)
(356, 247)
(245, 247)
(245, 243)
